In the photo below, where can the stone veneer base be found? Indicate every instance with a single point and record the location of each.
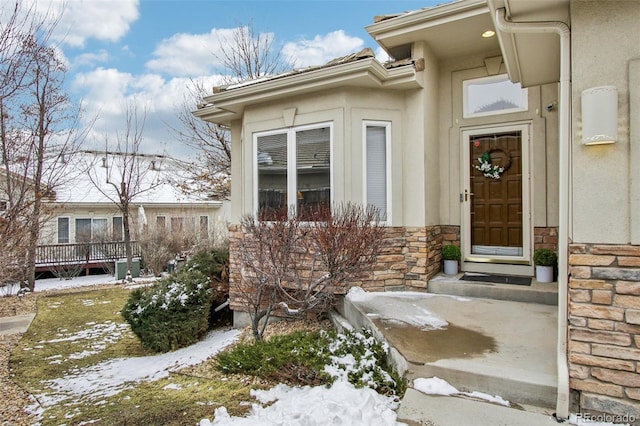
(604, 328)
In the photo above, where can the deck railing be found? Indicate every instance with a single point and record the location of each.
(83, 253)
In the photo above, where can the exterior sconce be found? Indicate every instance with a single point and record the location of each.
(600, 115)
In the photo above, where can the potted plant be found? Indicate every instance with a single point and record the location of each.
(545, 261)
(451, 256)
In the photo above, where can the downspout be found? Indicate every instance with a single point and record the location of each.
(564, 149)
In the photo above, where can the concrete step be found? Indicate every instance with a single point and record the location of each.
(498, 347)
(542, 293)
(417, 408)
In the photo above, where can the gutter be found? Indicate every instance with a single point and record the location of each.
(564, 150)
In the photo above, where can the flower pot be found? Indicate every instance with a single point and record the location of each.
(544, 274)
(451, 267)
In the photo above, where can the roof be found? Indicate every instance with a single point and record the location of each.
(360, 69)
(89, 174)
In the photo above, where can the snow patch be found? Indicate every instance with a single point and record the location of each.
(341, 404)
(111, 377)
(438, 386)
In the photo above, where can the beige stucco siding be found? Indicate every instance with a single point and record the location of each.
(601, 185)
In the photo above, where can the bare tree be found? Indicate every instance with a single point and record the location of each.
(127, 174)
(37, 129)
(244, 55)
(295, 269)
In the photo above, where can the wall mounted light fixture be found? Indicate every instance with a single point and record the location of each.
(600, 115)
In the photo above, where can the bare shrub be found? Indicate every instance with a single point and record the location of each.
(297, 266)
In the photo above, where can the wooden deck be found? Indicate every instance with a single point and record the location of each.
(52, 256)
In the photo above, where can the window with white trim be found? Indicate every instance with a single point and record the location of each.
(117, 232)
(91, 229)
(493, 95)
(63, 230)
(377, 176)
(204, 227)
(293, 172)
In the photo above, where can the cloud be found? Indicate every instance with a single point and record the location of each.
(193, 54)
(107, 92)
(322, 48)
(83, 20)
(90, 59)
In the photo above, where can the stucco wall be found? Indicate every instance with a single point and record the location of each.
(346, 111)
(604, 40)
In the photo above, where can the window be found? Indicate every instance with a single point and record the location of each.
(117, 230)
(493, 95)
(293, 170)
(161, 222)
(88, 230)
(63, 230)
(377, 153)
(177, 224)
(204, 227)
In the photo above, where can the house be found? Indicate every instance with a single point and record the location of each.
(83, 211)
(500, 125)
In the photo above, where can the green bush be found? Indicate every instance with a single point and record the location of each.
(451, 252)
(356, 356)
(212, 263)
(171, 314)
(545, 257)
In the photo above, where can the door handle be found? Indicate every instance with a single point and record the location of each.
(467, 194)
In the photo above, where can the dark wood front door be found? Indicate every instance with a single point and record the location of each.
(496, 209)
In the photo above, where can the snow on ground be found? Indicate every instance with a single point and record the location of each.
(437, 386)
(340, 404)
(112, 376)
(381, 306)
(48, 284)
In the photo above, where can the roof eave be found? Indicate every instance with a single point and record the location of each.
(224, 107)
(434, 16)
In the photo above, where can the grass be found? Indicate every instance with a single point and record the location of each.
(54, 347)
(80, 329)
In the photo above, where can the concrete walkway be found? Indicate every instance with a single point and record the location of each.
(16, 324)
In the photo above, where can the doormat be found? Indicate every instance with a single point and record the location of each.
(499, 279)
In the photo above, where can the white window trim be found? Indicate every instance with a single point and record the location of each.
(292, 175)
(68, 229)
(489, 79)
(387, 126)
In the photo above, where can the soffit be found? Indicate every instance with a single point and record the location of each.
(451, 30)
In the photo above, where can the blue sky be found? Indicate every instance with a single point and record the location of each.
(148, 50)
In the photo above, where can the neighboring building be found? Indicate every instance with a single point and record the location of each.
(423, 138)
(83, 209)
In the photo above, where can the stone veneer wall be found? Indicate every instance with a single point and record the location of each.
(545, 237)
(410, 257)
(604, 327)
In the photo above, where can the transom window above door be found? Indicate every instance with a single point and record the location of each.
(492, 96)
(293, 172)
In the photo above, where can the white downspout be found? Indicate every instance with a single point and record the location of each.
(564, 157)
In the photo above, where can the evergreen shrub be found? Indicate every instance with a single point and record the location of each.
(171, 314)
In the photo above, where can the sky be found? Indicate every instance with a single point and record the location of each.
(147, 51)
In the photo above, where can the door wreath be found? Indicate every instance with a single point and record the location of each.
(491, 170)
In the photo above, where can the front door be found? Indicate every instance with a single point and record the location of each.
(496, 216)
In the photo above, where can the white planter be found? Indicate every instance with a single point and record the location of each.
(451, 267)
(544, 274)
